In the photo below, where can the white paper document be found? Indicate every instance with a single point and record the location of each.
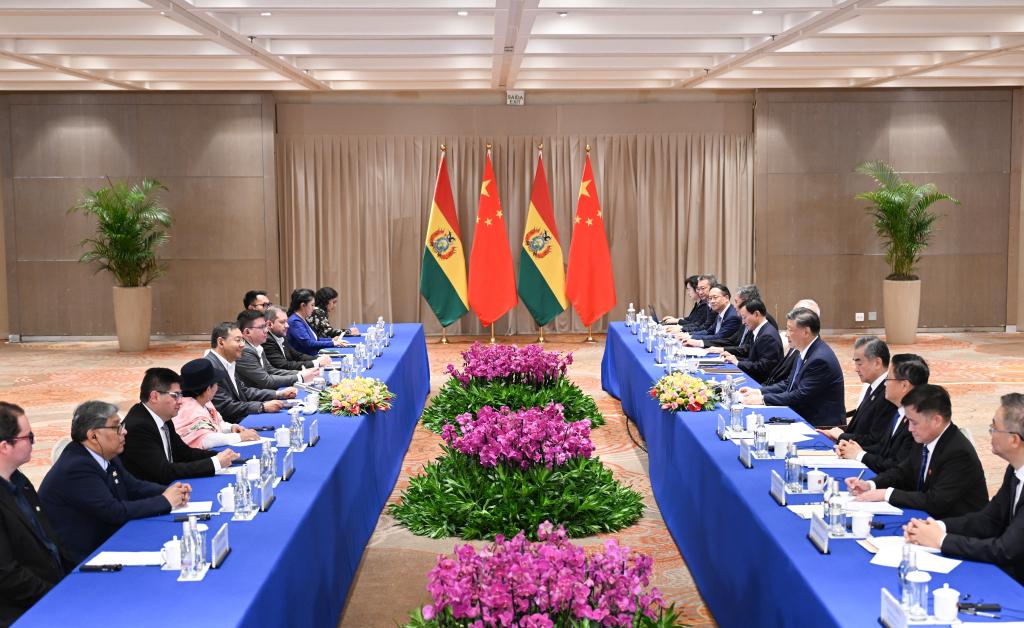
(250, 443)
(926, 561)
(193, 507)
(693, 352)
(875, 508)
(823, 462)
(128, 559)
(806, 511)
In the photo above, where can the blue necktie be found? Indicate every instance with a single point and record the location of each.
(796, 371)
(924, 466)
(743, 336)
(718, 324)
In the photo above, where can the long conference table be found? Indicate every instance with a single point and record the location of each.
(750, 557)
(291, 565)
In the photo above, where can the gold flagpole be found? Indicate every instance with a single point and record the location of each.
(590, 334)
(541, 340)
(444, 335)
(492, 333)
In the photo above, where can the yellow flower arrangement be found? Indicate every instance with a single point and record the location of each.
(677, 391)
(359, 395)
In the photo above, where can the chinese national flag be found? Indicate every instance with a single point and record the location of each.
(589, 283)
(492, 281)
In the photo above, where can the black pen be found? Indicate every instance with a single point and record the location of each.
(99, 568)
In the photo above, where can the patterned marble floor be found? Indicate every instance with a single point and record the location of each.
(49, 379)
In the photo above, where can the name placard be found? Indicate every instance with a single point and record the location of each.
(778, 488)
(745, 457)
(267, 494)
(220, 547)
(892, 614)
(818, 533)
(720, 430)
(288, 466)
(314, 432)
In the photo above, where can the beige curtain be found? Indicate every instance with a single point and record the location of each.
(353, 211)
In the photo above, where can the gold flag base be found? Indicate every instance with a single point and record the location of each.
(492, 334)
(590, 334)
(541, 339)
(444, 336)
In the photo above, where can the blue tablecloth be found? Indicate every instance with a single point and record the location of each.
(750, 557)
(292, 565)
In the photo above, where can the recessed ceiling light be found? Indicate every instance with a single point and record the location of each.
(757, 11)
(163, 13)
(266, 14)
(563, 14)
(462, 13)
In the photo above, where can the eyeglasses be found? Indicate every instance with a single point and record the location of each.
(992, 430)
(119, 427)
(260, 327)
(174, 395)
(30, 437)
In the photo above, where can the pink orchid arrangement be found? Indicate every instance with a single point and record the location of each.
(520, 438)
(530, 364)
(548, 583)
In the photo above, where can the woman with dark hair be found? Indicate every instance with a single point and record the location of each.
(301, 336)
(198, 422)
(326, 302)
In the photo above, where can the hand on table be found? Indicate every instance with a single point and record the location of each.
(339, 341)
(694, 343)
(674, 329)
(849, 449)
(872, 495)
(669, 320)
(751, 396)
(273, 405)
(177, 494)
(226, 457)
(247, 435)
(924, 532)
(857, 486)
(353, 331)
(717, 350)
(324, 360)
(833, 433)
(287, 393)
(309, 374)
(728, 357)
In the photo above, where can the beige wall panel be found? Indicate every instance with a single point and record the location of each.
(200, 140)
(73, 140)
(44, 230)
(680, 117)
(195, 295)
(979, 223)
(1014, 310)
(959, 290)
(215, 217)
(951, 136)
(64, 298)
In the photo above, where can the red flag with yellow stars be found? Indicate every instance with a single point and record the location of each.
(492, 281)
(589, 283)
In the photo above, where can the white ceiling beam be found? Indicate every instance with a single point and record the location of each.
(86, 75)
(505, 31)
(975, 56)
(526, 21)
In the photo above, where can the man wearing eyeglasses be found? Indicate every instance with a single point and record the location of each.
(256, 300)
(31, 557)
(88, 494)
(252, 366)
(153, 450)
(996, 533)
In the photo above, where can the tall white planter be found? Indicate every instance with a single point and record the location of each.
(901, 307)
(133, 313)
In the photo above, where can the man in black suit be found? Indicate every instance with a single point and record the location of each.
(906, 370)
(88, 494)
(153, 450)
(996, 533)
(233, 399)
(31, 557)
(738, 344)
(279, 353)
(782, 371)
(872, 419)
(701, 316)
(725, 323)
(252, 366)
(942, 475)
(762, 348)
(815, 386)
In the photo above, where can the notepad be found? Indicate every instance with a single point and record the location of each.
(250, 443)
(875, 508)
(193, 507)
(128, 559)
(822, 462)
(806, 511)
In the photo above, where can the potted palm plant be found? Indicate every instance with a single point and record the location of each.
(131, 226)
(905, 225)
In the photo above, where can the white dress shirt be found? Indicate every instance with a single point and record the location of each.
(228, 366)
(98, 458)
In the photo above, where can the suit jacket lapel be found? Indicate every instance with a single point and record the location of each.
(8, 502)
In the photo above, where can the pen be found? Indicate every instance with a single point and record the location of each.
(861, 474)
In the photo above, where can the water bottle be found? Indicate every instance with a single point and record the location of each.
(836, 518)
(760, 439)
(659, 348)
(727, 392)
(631, 318)
(188, 549)
(735, 418)
(273, 463)
(650, 340)
(243, 496)
(907, 565)
(295, 433)
(793, 470)
(266, 463)
(641, 326)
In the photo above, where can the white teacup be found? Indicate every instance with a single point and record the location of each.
(781, 447)
(170, 554)
(252, 469)
(226, 499)
(946, 603)
(816, 481)
(283, 436)
(861, 523)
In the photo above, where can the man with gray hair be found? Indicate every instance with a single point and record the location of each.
(814, 388)
(870, 422)
(88, 494)
(995, 534)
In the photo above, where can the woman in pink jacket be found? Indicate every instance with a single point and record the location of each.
(198, 422)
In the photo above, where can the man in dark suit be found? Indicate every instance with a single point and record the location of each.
(996, 533)
(737, 344)
(233, 399)
(762, 348)
(32, 559)
(725, 323)
(942, 475)
(252, 366)
(279, 353)
(88, 494)
(815, 387)
(906, 370)
(872, 419)
(785, 367)
(701, 315)
(153, 450)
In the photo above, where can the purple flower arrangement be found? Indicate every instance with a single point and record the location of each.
(548, 583)
(530, 364)
(520, 438)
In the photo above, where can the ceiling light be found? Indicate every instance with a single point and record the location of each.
(563, 14)
(163, 13)
(266, 14)
(757, 12)
(462, 13)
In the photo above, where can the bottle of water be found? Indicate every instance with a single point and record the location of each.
(736, 418)
(760, 438)
(641, 326)
(907, 565)
(793, 470)
(243, 493)
(266, 463)
(631, 318)
(273, 463)
(727, 392)
(836, 518)
(650, 339)
(295, 433)
(188, 550)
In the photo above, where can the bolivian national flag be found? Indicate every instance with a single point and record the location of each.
(443, 273)
(541, 270)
